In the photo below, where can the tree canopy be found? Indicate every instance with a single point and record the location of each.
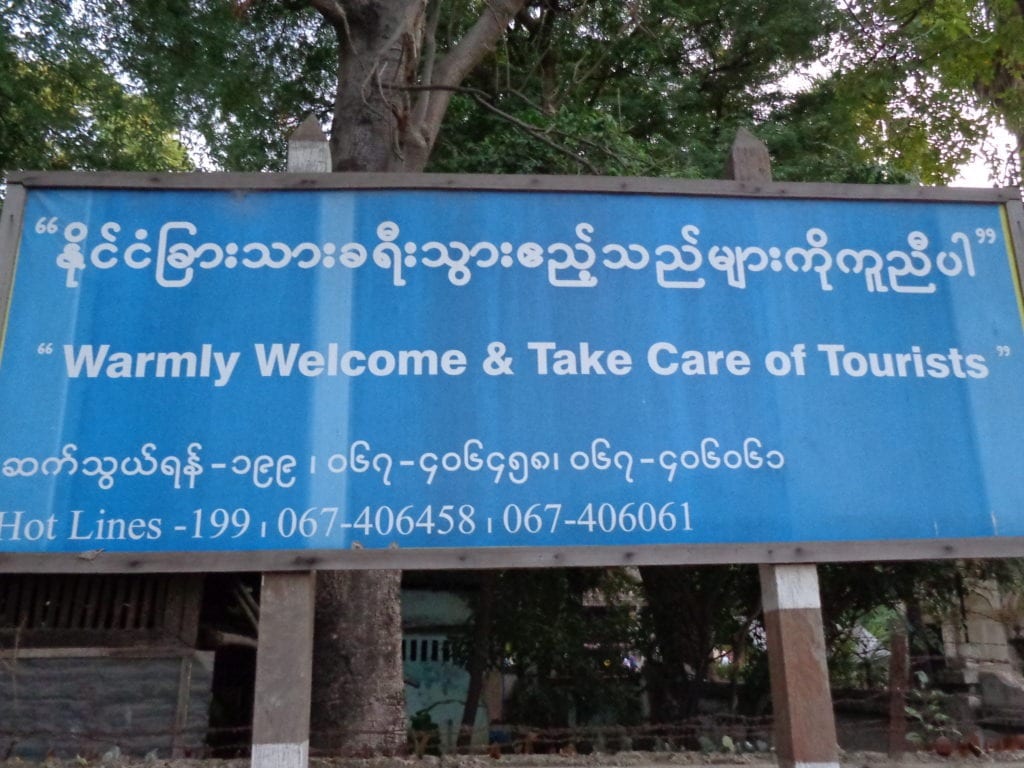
(888, 90)
(61, 107)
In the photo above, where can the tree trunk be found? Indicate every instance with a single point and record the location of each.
(683, 637)
(378, 58)
(390, 101)
(687, 604)
(358, 690)
(479, 657)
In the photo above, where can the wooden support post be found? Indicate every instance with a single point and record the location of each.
(805, 728)
(284, 671)
(899, 680)
(284, 654)
(308, 150)
(748, 159)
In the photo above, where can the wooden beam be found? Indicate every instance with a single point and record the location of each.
(284, 649)
(484, 558)
(284, 671)
(899, 680)
(181, 708)
(235, 182)
(805, 728)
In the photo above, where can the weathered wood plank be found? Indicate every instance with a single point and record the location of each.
(494, 182)
(284, 650)
(509, 557)
(148, 651)
(284, 671)
(192, 587)
(1015, 222)
(115, 614)
(899, 680)
(181, 707)
(805, 728)
(173, 607)
(10, 235)
(72, 598)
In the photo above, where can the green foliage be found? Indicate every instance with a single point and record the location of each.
(424, 734)
(824, 135)
(928, 710)
(564, 635)
(873, 595)
(690, 612)
(648, 88)
(661, 87)
(942, 75)
(239, 75)
(853, 591)
(520, 139)
(62, 108)
(886, 91)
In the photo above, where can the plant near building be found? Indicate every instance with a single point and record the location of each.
(927, 709)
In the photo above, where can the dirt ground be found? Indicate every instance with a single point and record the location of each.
(618, 760)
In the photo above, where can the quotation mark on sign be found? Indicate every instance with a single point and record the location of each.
(46, 225)
(1003, 351)
(45, 348)
(985, 235)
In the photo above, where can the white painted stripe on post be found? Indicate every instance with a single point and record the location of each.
(815, 765)
(280, 755)
(790, 587)
(309, 156)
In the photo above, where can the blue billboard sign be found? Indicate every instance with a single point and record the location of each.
(253, 370)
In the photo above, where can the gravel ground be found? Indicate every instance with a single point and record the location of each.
(619, 760)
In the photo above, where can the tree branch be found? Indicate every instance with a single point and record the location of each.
(456, 65)
(429, 58)
(478, 41)
(535, 133)
(333, 13)
(483, 99)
